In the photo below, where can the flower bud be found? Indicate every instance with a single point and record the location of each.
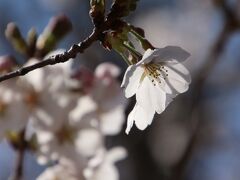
(114, 40)
(57, 28)
(97, 11)
(121, 8)
(13, 34)
(31, 40)
(140, 35)
(7, 62)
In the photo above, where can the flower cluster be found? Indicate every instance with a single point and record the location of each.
(68, 119)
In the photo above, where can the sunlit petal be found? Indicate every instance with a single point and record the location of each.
(131, 80)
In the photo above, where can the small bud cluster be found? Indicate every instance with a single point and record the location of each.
(122, 8)
(97, 11)
(34, 45)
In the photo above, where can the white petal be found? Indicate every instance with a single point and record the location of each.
(15, 113)
(42, 160)
(105, 69)
(147, 57)
(98, 158)
(141, 117)
(112, 121)
(107, 172)
(44, 137)
(130, 120)
(131, 80)
(151, 97)
(37, 78)
(143, 95)
(116, 154)
(180, 68)
(88, 142)
(169, 53)
(158, 98)
(84, 107)
(165, 86)
(177, 80)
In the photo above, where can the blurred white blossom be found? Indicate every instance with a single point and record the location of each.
(57, 132)
(106, 92)
(155, 80)
(66, 134)
(104, 102)
(65, 169)
(102, 166)
(69, 125)
(14, 106)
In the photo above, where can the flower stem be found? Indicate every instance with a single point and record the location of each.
(125, 59)
(144, 42)
(132, 50)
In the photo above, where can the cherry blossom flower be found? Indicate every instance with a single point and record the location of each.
(49, 93)
(106, 92)
(102, 166)
(57, 132)
(155, 80)
(41, 93)
(66, 134)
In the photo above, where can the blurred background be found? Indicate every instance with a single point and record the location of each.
(198, 136)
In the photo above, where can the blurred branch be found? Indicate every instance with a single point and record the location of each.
(230, 25)
(20, 148)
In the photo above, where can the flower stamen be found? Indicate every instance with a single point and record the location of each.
(156, 73)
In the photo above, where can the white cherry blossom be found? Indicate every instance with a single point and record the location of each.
(155, 80)
(58, 133)
(107, 121)
(66, 134)
(106, 92)
(40, 93)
